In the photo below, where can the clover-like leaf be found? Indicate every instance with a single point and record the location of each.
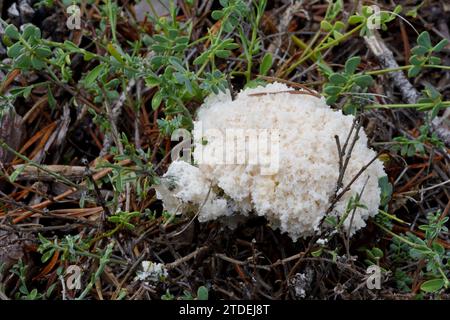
(351, 64)
(363, 80)
(424, 40)
(266, 64)
(338, 79)
(438, 47)
(12, 32)
(433, 285)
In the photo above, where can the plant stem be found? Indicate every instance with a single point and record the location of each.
(404, 105)
(392, 217)
(377, 72)
(103, 262)
(4, 145)
(319, 49)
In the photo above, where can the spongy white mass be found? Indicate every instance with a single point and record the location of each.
(297, 194)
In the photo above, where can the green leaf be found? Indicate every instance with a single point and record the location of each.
(377, 253)
(23, 61)
(202, 293)
(420, 50)
(50, 289)
(182, 40)
(201, 58)
(435, 60)
(15, 50)
(363, 80)
(222, 54)
(411, 150)
(31, 32)
(326, 26)
(176, 64)
(415, 60)
(432, 92)
(331, 99)
(13, 176)
(43, 52)
(331, 220)
(332, 90)
(51, 99)
(367, 11)
(158, 61)
(386, 190)
(217, 14)
(33, 294)
(435, 110)
(355, 19)
(440, 45)
(412, 13)
(172, 33)
(37, 63)
(92, 76)
(230, 45)
(432, 285)
(398, 8)
(370, 255)
(71, 46)
(47, 255)
(350, 108)
(437, 247)
(156, 100)
(266, 64)
(337, 78)
(152, 81)
(87, 56)
(119, 183)
(317, 253)
(339, 25)
(403, 152)
(424, 40)
(351, 64)
(324, 68)
(12, 32)
(25, 91)
(337, 35)
(414, 71)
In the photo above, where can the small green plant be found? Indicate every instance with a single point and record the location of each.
(374, 256)
(70, 247)
(428, 250)
(20, 270)
(422, 54)
(369, 16)
(432, 99)
(123, 219)
(104, 259)
(26, 48)
(386, 191)
(202, 294)
(167, 296)
(408, 147)
(347, 83)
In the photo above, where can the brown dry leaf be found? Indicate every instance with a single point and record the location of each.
(10, 249)
(11, 132)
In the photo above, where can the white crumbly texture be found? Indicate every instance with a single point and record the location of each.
(295, 198)
(151, 272)
(184, 185)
